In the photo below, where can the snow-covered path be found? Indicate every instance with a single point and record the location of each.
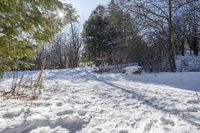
(78, 101)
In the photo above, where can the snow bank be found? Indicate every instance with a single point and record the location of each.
(132, 70)
(115, 68)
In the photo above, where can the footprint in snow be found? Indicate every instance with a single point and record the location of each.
(149, 125)
(42, 104)
(65, 112)
(123, 131)
(192, 109)
(47, 104)
(11, 115)
(82, 112)
(47, 97)
(192, 101)
(59, 104)
(166, 121)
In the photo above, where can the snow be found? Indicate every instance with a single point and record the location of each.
(18, 38)
(115, 68)
(2, 34)
(79, 101)
(132, 69)
(188, 62)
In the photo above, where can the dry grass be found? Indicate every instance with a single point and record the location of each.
(25, 89)
(197, 94)
(21, 97)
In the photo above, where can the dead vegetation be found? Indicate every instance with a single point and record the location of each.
(197, 95)
(25, 88)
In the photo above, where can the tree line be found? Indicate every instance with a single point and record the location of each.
(64, 51)
(148, 32)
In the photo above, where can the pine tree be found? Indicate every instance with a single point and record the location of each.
(25, 25)
(108, 34)
(121, 32)
(94, 33)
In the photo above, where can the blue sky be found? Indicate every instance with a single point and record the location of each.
(85, 7)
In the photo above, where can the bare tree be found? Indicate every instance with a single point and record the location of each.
(64, 50)
(57, 53)
(75, 43)
(156, 18)
(193, 24)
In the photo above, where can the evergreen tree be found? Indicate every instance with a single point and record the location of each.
(94, 33)
(121, 32)
(108, 34)
(25, 24)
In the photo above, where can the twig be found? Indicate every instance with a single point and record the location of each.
(198, 98)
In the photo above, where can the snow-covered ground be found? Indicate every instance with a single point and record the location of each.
(188, 62)
(79, 101)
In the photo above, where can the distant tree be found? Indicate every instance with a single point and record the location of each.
(94, 33)
(107, 35)
(120, 31)
(192, 15)
(180, 34)
(63, 52)
(186, 26)
(57, 52)
(158, 16)
(156, 19)
(75, 43)
(24, 25)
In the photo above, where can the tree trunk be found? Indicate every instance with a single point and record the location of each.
(195, 46)
(195, 40)
(193, 43)
(182, 47)
(171, 58)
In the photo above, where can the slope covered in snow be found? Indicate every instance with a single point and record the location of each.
(79, 101)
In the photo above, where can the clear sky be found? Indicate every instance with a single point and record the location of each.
(85, 7)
